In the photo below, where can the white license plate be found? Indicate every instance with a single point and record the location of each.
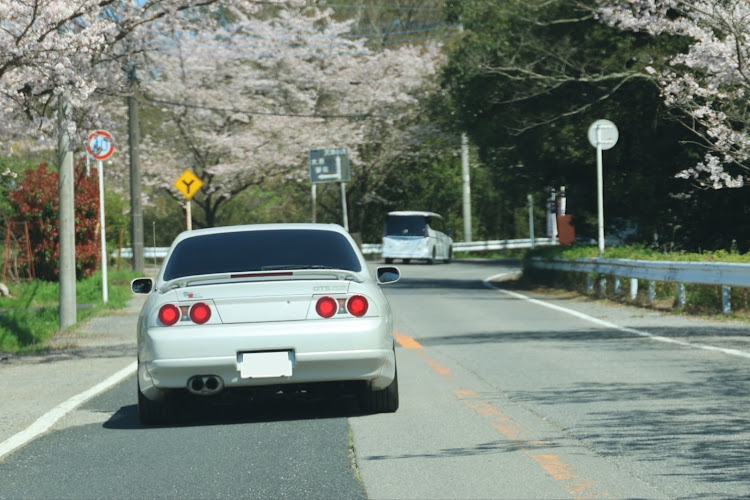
(265, 364)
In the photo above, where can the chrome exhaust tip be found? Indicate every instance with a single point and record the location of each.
(205, 385)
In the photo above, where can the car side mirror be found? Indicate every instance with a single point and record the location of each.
(142, 286)
(388, 275)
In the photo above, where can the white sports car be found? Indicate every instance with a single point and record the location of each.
(271, 307)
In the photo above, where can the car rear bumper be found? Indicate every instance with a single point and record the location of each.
(323, 351)
(406, 248)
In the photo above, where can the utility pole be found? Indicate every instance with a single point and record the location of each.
(66, 213)
(466, 186)
(136, 212)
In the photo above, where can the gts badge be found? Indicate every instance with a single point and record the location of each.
(329, 288)
(190, 295)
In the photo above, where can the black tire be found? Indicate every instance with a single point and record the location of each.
(450, 256)
(432, 260)
(154, 412)
(406, 261)
(385, 401)
(389, 261)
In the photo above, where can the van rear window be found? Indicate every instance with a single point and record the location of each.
(412, 225)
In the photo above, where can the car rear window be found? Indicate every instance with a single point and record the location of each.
(245, 251)
(406, 225)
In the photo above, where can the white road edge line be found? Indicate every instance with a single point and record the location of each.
(49, 419)
(731, 352)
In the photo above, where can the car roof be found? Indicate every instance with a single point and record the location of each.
(412, 213)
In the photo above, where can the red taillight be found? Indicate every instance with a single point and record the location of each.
(326, 307)
(200, 313)
(169, 314)
(357, 306)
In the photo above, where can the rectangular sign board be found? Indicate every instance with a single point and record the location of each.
(329, 165)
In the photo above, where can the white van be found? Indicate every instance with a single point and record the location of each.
(416, 235)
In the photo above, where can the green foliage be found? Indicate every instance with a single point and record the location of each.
(11, 168)
(36, 201)
(637, 252)
(30, 318)
(117, 219)
(528, 77)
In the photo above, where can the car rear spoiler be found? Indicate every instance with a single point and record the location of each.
(271, 275)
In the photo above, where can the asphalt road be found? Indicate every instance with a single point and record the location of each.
(502, 396)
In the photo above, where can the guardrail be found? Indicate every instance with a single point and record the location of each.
(479, 246)
(148, 253)
(375, 248)
(723, 274)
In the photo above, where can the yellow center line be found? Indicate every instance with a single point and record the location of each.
(551, 463)
(406, 342)
(409, 343)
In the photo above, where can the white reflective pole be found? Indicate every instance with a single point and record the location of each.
(189, 217)
(100, 167)
(343, 203)
(600, 189)
(466, 182)
(314, 197)
(531, 219)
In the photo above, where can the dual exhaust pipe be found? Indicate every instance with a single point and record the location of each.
(205, 385)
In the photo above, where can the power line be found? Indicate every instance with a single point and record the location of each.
(443, 26)
(211, 52)
(380, 7)
(262, 113)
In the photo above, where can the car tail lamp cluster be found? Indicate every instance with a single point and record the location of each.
(170, 314)
(328, 307)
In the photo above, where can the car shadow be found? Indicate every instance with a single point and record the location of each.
(193, 413)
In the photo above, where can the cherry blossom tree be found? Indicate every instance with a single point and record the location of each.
(77, 46)
(246, 101)
(709, 81)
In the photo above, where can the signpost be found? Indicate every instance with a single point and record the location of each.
(603, 135)
(329, 165)
(100, 147)
(188, 184)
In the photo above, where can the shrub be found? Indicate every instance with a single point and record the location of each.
(36, 202)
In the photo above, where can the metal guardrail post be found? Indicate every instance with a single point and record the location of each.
(681, 294)
(618, 285)
(602, 285)
(726, 299)
(633, 288)
(651, 291)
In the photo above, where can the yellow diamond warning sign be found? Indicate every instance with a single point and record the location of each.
(188, 183)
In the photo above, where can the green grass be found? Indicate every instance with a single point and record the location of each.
(31, 317)
(638, 252)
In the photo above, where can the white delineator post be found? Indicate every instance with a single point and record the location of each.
(466, 182)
